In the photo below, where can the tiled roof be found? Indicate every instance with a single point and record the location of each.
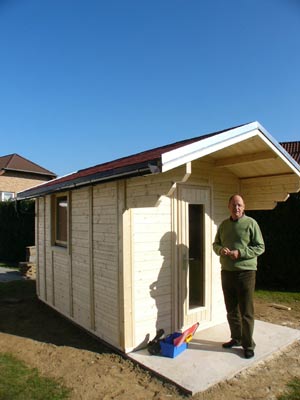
(293, 148)
(14, 162)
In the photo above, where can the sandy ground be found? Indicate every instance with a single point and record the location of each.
(43, 339)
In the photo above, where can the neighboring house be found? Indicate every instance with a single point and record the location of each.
(125, 247)
(293, 148)
(17, 174)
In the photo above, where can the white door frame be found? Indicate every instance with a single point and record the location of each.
(186, 194)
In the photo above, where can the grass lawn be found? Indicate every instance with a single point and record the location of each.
(293, 391)
(18, 382)
(290, 298)
(277, 296)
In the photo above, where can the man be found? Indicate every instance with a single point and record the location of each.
(239, 242)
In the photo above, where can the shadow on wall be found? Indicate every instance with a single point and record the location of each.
(162, 289)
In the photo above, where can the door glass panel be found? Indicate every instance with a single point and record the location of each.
(196, 256)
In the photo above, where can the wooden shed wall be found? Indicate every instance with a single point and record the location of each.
(223, 184)
(153, 257)
(40, 247)
(82, 281)
(151, 253)
(105, 256)
(120, 267)
(80, 257)
(152, 266)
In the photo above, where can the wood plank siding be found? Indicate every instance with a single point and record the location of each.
(152, 266)
(81, 281)
(119, 275)
(106, 261)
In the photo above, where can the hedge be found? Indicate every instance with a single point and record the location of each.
(16, 229)
(279, 266)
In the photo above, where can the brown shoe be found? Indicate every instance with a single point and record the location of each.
(231, 343)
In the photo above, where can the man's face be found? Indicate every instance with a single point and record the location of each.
(236, 207)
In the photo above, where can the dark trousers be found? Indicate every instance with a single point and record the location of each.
(238, 289)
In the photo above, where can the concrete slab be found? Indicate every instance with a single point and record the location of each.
(205, 363)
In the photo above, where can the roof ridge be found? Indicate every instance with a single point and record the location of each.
(37, 165)
(7, 159)
(17, 162)
(13, 155)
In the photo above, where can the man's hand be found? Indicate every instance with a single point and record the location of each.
(234, 254)
(225, 251)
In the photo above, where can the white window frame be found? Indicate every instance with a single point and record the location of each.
(60, 218)
(7, 196)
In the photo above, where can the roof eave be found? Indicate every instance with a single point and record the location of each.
(150, 167)
(50, 174)
(196, 150)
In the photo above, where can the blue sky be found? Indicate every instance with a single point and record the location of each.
(88, 81)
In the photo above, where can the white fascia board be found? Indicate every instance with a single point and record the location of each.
(194, 151)
(279, 150)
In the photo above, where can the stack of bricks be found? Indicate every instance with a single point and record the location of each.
(28, 268)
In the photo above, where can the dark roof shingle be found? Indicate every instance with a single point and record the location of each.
(293, 148)
(14, 162)
(134, 165)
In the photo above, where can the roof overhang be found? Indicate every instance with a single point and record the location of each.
(25, 171)
(247, 151)
(229, 149)
(59, 184)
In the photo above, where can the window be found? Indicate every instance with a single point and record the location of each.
(6, 196)
(196, 254)
(60, 216)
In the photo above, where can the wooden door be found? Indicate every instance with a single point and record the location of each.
(194, 255)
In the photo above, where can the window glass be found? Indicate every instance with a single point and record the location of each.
(196, 256)
(5, 196)
(61, 233)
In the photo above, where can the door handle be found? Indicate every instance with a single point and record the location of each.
(186, 261)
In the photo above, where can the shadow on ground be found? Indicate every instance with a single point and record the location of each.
(23, 314)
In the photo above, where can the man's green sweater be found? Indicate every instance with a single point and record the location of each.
(243, 235)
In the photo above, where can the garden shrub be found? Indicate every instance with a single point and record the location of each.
(279, 266)
(16, 229)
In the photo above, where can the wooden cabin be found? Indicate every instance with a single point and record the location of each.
(125, 247)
